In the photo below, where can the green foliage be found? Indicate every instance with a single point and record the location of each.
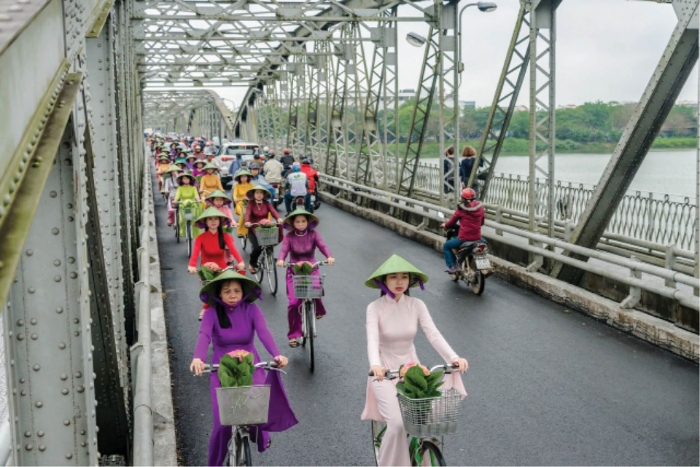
(416, 385)
(234, 372)
(304, 269)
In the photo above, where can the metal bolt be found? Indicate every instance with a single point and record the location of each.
(64, 377)
(27, 434)
(34, 337)
(20, 337)
(31, 290)
(57, 278)
(54, 231)
(62, 346)
(73, 275)
(81, 389)
(53, 194)
(36, 367)
(23, 393)
(20, 322)
(71, 260)
(59, 310)
(69, 456)
(33, 321)
(66, 422)
(21, 380)
(40, 434)
(30, 252)
(39, 404)
(42, 448)
(78, 374)
(64, 392)
(57, 262)
(28, 447)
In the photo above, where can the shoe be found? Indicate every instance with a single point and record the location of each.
(451, 270)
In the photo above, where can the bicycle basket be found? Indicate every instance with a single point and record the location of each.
(432, 416)
(267, 236)
(245, 405)
(307, 286)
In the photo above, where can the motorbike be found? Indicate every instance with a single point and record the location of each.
(280, 194)
(473, 265)
(315, 199)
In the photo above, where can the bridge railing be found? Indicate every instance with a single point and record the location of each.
(538, 248)
(660, 228)
(141, 350)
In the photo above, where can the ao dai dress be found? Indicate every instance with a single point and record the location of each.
(391, 328)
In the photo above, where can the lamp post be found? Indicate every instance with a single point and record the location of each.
(484, 7)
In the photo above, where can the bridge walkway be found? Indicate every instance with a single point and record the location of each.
(546, 385)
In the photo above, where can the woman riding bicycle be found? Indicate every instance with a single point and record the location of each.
(240, 189)
(300, 243)
(171, 187)
(392, 324)
(259, 209)
(231, 323)
(186, 191)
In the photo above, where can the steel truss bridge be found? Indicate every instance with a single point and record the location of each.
(81, 79)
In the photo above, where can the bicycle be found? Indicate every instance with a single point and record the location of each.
(240, 407)
(188, 207)
(424, 420)
(268, 238)
(307, 288)
(241, 220)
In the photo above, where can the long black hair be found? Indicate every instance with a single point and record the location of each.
(222, 244)
(224, 322)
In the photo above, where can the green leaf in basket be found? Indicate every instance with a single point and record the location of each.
(306, 269)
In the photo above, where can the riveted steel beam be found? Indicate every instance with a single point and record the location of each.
(671, 73)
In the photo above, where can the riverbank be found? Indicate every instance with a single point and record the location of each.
(520, 147)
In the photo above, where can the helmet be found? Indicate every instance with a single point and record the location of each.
(266, 149)
(253, 165)
(469, 194)
(296, 167)
(287, 151)
(271, 153)
(262, 158)
(305, 161)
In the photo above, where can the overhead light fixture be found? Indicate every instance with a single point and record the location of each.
(416, 40)
(486, 7)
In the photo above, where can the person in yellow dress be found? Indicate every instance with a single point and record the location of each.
(163, 166)
(243, 184)
(210, 181)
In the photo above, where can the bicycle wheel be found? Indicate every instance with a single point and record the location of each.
(478, 281)
(242, 451)
(378, 430)
(271, 272)
(430, 451)
(245, 242)
(261, 267)
(188, 234)
(177, 225)
(310, 320)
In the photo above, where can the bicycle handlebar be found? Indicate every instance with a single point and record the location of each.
(447, 367)
(314, 265)
(266, 365)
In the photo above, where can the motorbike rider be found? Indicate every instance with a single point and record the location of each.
(287, 160)
(470, 216)
(257, 179)
(311, 174)
(297, 184)
(273, 169)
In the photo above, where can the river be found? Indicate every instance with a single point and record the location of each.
(662, 172)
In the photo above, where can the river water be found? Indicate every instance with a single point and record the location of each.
(662, 172)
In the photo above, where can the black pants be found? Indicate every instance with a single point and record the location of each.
(257, 249)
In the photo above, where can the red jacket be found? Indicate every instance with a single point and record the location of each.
(470, 219)
(207, 244)
(311, 175)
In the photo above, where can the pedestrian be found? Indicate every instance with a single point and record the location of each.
(466, 167)
(448, 172)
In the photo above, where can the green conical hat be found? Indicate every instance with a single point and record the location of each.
(211, 212)
(249, 286)
(163, 157)
(240, 173)
(394, 264)
(173, 168)
(251, 192)
(289, 220)
(190, 155)
(218, 194)
(211, 166)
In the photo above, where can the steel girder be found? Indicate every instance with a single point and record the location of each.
(671, 73)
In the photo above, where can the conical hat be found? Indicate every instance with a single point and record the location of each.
(240, 173)
(218, 194)
(173, 168)
(395, 264)
(251, 192)
(211, 166)
(289, 220)
(211, 212)
(207, 292)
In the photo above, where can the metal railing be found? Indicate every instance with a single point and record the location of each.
(657, 218)
(141, 350)
(632, 279)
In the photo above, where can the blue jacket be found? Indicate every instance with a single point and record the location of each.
(235, 166)
(260, 180)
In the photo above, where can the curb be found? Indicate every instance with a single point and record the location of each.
(164, 447)
(639, 324)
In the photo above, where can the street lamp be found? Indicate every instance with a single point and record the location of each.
(416, 40)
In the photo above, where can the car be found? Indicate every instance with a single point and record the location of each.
(228, 152)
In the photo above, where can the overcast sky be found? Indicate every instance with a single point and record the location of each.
(606, 50)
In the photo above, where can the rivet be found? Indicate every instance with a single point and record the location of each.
(82, 432)
(27, 434)
(31, 290)
(20, 322)
(78, 374)
(42, 447)
(71, 260)
(54, 231)
(73, 275)
(59, 310)
(64, 392)
(76, 320)
(29, 252)
(39, 404)
(6, 200)
(40, 434)
(69, 456)
(28, 447)
(21, 380)
(57, 262)
(36, 367)
(23, 393)
(81, 389)
(33, 321)
(20, 337)
(34, 337)
(66, 422)
(57, 278)
(83, 444)
(62, 346)
(53, 194)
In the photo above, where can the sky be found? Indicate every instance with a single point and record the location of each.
(607, 50)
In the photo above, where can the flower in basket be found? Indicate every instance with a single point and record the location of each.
(418, 382)
(208, 272)
(236, 369)
(266, 223)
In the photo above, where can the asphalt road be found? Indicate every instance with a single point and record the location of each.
(547, 386)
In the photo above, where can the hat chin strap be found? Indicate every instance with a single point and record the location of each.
(385, 289)
(205, 296)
